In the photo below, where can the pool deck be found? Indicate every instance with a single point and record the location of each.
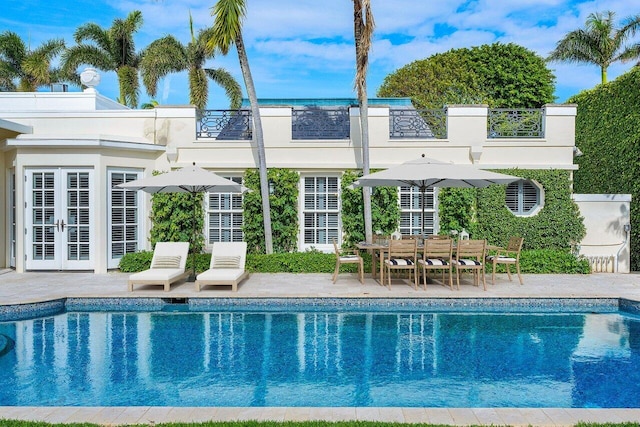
(35, 287)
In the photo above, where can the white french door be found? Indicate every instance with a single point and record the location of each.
(59, 208)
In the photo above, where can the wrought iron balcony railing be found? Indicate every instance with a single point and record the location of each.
(320, 123)
(418, 124)
(224, 124)
(515, 123)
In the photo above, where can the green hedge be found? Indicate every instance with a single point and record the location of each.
(608, 134)
(532, 261)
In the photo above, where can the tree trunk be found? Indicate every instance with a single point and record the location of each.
(361, 88)
(259, 140)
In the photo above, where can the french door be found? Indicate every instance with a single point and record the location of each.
(59, 208)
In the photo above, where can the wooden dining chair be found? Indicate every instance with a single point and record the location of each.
(402, 255)
(347, 257)
(470, 256)
(437, 255)
(507, 256)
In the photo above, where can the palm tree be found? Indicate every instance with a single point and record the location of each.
(363, 26)
(31, 69)
(599, 43)
(168, 55)
(112, 49)
(227, 30)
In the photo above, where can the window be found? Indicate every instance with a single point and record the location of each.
(125, 220)
(524, 198)
(411, 210)
(224, 216)
(321, 210)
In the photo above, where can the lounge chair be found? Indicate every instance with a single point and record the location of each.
(167, 266)
(227, 265)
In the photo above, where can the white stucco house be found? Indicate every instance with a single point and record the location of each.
(62, 153)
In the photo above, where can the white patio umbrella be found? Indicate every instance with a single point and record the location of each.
(190, 179)
(425, 172)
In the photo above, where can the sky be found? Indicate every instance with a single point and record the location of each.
(304, 48)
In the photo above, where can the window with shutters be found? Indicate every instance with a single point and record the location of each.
(125, 219)
(320, 210)
(411, 210)
(224, 215)
(524, 198)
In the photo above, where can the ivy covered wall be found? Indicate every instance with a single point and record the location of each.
(608, 135)
(557, 225)
(284, 210)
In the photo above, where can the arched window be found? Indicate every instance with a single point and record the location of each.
(524, 198)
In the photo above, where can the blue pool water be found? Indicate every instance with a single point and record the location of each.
(411, 358)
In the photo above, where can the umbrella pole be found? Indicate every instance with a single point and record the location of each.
(192, 277)
(422, 191)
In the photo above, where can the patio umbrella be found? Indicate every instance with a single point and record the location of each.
(191, 179)
(425, 172)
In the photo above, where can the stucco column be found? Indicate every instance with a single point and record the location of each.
(467, 125)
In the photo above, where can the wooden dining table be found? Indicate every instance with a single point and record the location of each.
(381, 249)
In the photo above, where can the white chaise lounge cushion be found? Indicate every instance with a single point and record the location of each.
(167, 265)
(227, 265)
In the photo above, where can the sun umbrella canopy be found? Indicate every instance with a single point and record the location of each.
(190, 179)
(425, 172)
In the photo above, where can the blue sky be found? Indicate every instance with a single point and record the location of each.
(304, 48)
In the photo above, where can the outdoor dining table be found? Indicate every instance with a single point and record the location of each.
(381, 248)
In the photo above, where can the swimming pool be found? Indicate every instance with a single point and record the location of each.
(421, 353)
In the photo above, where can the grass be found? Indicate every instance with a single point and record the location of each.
(17, 423)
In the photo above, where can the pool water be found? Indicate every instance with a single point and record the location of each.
(376, 359)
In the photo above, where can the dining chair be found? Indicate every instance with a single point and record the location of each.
(437, 255)
(402, 255)
(507, 256)
(470, 256)
(346, 256)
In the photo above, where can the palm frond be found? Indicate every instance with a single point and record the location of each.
(198, 88)
(227, 25)
(161, 57)
(12, 49)
(232, 88)
(129, 86)
(73, 57)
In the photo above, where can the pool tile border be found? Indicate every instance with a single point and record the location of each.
(17, 312)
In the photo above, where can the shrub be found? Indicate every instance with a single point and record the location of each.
(533, 261)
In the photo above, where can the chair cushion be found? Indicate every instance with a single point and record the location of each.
(399, 261)
(166, 261)
(500, 258)
(434, 261)
(226, 261)
(467, 262)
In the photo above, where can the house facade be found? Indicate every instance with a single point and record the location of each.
(63, 153)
